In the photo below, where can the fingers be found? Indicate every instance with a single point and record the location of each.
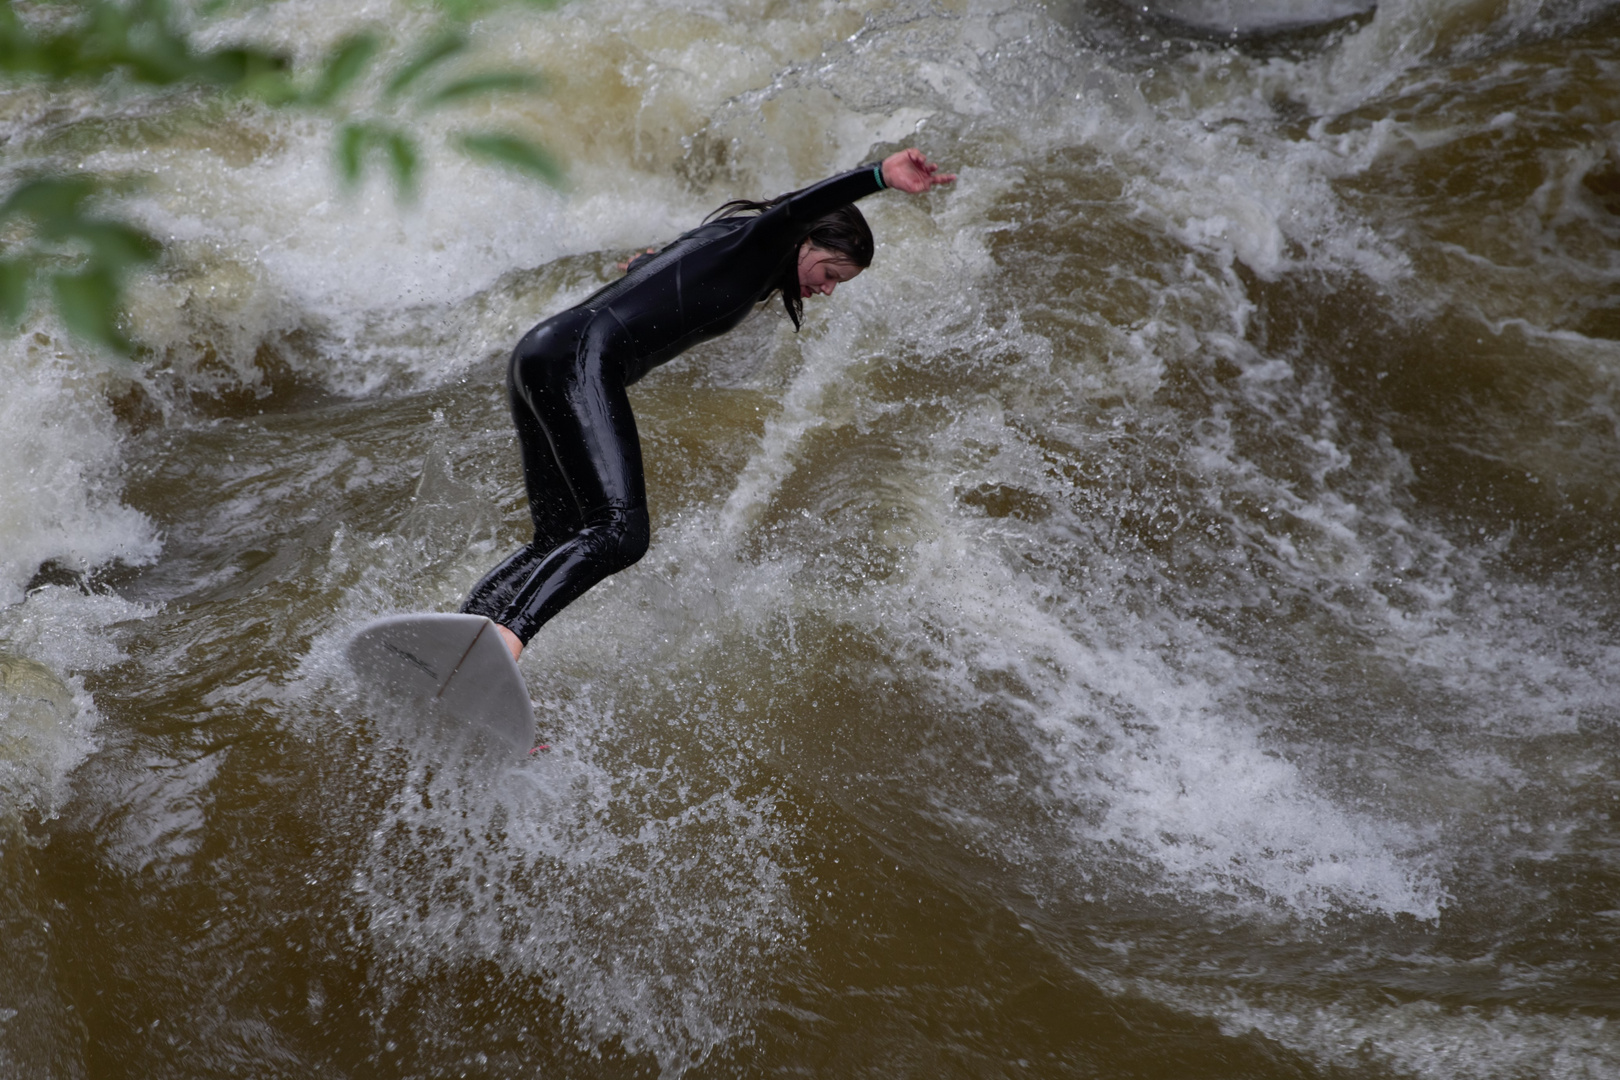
(931, 170)
(632, 259)
(911, 171)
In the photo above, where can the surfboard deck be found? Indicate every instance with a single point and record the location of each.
(453, 667)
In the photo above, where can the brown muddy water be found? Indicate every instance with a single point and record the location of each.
(1161, 621)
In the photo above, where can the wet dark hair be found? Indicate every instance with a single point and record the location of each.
(843, 232)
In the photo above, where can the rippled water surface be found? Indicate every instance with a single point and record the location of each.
(1161, 621)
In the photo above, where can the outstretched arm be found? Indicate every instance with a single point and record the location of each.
(909, 170)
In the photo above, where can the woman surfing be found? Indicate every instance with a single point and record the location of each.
(568, 375)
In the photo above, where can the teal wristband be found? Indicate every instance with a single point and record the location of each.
(877, 172)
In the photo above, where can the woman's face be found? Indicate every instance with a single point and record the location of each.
(821, 271)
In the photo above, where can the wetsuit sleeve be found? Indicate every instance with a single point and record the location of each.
(803, 207)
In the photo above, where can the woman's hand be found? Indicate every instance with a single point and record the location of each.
(910, 171)
(631, 261)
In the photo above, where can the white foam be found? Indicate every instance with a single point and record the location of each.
(59, 466)
(1155, 759)
(657, 915)
(271, 248)
(48, 721)
(1420, 1039)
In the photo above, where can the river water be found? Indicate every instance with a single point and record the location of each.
(1161, 621)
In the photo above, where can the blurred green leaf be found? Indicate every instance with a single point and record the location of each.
(49, 198)
(515, 152)
(358, 139)
(88, 303)
(242, 68)
(16, 275)
(273, 86)
(116, 245)
(351, 148)
(493, 82)
(344, 66)
(51, 225)
(139, 38)
(434, 52)
(465, 10)
(402, 160)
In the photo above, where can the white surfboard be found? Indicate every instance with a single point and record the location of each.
(454, 667)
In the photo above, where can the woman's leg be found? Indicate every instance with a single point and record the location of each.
(584, 415)
(551, 508)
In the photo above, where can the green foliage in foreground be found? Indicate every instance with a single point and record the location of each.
(61, 239)
(84, 257)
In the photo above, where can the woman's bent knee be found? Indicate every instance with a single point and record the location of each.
(623, 535)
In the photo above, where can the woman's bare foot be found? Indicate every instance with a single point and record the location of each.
(510, 640)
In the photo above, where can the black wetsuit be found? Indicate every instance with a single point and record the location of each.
(567, 379)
